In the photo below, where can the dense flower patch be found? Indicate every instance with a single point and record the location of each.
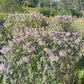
(15, 22)
(34, 53)
(33, 56)
(62, 23)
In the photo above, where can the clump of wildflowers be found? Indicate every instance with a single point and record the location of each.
(35, 53)
(62, 23)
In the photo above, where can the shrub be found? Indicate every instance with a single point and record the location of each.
(38, 57)
(10, 6)
(79, 26)
(53, 12)
(64, 12)
(28, 9)
(76, 13)
(2, 16)
(44, 11)
(62, 23)
(19, 21)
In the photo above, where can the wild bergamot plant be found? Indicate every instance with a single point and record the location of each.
(39, 56)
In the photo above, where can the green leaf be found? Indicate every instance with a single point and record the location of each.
(44, 78)
(39, 66)
(29, 69)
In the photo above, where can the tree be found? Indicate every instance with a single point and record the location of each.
(10, 5)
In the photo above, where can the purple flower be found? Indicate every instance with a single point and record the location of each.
(18, 39)
(31, 49)
(4, 67)
(25, 59)
(10, 43)
(63, 53)
(28, 44)
(65, 39)
(41, 42)
(77, 40)
(68, 34)
(40, 38)
(24, 46)
(4, 50)
(21, 38)
(44, 33)
(54, 38)
(54, 58)
(50, 53)
(46, 49)
(59, 41)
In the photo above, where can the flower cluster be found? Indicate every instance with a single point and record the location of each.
(32, 54)
(39, 49)
(62, 23)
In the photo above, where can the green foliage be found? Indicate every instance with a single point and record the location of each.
(19, 21)
(34, 55)
(3, 16)
(30, 3)
(10, 6)
(75, 13)
(61, 23)
(64, 12)
(79, 26)
(29, 9)
(37, 56)
(44, 11)
(53, 12)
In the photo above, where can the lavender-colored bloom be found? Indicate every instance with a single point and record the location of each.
(4, 67)
(77, 40)
(28, 44)
(10, 43)
(4, 50)
(31, 49)
(54, 38)
(65, 39)
(50, 53)
(75, 33)
(44, 33)
(21, 38)
(36, 35)
(59, 41)
(25, 59)
(54, 58)
(63, 53)
(18, 39)
(24, 46)
(46, 49)
(27, 33)
(68, 34)
(41, 42)
(40, 38)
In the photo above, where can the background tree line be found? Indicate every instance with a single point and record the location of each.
(47, 7)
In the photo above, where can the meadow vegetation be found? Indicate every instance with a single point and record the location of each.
(35, 50)
(42, 42)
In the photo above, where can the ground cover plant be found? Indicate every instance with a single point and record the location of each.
(32, 54)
